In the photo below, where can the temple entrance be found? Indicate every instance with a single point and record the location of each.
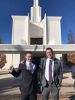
(38, 41)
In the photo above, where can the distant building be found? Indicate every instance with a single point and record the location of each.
(32, 29)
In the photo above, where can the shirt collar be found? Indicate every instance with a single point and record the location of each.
(27, 62)
(49, 59)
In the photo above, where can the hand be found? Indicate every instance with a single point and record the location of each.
(11, 69)
(22, 62)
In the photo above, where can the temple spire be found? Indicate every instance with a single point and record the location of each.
(35, 2)
(35, 11)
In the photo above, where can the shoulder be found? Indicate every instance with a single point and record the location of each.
(22, 63)
(57, 61)
(44, 58)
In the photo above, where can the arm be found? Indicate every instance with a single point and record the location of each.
(39, 77)
(41, 68)
(60, 73)
(14, 72)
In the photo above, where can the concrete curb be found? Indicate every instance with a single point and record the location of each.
(4, 72)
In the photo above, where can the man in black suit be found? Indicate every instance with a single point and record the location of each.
(28, 84)
(51, 75)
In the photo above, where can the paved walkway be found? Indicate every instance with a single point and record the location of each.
(67, 91)
(12, 92)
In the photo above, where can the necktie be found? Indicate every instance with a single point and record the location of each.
(50, 71)
(30, 65)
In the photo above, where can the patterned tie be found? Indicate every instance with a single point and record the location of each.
(50, 71)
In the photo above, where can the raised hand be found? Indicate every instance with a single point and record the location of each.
(11, 69)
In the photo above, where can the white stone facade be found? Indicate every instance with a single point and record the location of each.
(47, 29)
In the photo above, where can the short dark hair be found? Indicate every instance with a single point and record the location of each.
(49, 49)
(28, 53)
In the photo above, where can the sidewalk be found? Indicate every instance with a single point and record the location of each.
(2, 71)
(67, 91)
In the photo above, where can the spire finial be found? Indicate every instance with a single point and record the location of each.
(35, 11)
(35, 2)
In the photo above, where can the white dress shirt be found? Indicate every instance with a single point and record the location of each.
(47, 69)
(30, 66)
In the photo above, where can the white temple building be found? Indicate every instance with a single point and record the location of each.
(28, 31)
(32, 29)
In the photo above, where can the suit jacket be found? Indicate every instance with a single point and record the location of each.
(57, 72)
(28, 82)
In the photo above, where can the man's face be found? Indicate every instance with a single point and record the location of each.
(28, 57)
(49, 53)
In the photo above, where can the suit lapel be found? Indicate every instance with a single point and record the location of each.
(55, 65)
(45, 63)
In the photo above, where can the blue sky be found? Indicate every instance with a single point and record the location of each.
(64, 8)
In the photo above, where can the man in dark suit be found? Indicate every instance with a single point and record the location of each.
(51, 75)
(28, 84)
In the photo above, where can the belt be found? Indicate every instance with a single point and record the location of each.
(49, 83)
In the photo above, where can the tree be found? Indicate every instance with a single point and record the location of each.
(0, 40)
(71, 37)
(71, 56)
(2, 58)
